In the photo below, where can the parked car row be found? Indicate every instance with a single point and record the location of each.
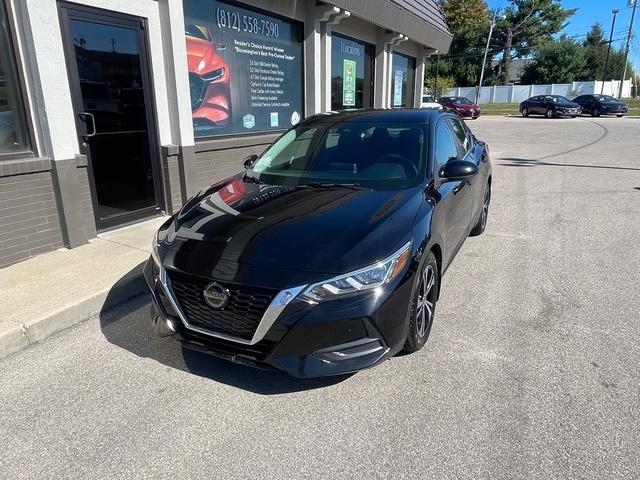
(461, 106)
(552, 106)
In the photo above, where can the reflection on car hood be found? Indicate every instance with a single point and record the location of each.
(567, 105)
(324, 230)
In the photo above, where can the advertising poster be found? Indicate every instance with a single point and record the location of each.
(397, 87)
(245, 69)
(349, 83)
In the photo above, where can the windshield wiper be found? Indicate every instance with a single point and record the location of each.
(352, 186)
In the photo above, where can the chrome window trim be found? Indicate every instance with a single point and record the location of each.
(269, 317)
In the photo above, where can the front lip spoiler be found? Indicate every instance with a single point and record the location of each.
(270, 316)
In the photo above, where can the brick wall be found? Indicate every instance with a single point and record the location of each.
(85, 199)
(29, 218)
(171, 178)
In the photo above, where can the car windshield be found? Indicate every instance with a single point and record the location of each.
(428, 100)
(606, 98)
(197, 31)
(373, 155)
(557, 99)
(460, 100)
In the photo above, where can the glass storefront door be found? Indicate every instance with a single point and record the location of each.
(403, 73)
(111, 86)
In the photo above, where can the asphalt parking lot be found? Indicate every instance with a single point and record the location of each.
(531, 370)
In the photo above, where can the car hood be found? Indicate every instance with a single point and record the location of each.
(198, 51)
(323, 230)
(567, 105)
(465, 106)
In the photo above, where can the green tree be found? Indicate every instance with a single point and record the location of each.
(444, 84)
(468, 21)
(527, 24)
(595, 51)
(465, 15)
(557, 61)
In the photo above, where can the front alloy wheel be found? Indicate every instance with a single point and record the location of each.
(525, 112)
(423, 307)
(549, 113)
(595, 112)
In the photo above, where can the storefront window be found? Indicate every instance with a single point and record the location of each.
(351, 73)
(245, 69)
(403, 73)
(13, 132)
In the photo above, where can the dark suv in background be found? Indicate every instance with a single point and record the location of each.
(597, 105)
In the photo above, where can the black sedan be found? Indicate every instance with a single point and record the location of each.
(597, 105)
(325, 255)
(550, 106)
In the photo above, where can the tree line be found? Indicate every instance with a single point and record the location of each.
(524, 29)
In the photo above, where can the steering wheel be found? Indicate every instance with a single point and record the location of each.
(401, 160)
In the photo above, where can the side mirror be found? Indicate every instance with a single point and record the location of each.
(456, 170)
(249, 161)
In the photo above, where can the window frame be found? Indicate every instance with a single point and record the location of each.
(22, 99)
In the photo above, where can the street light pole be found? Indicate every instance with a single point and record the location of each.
(435, 87)
(606, 61)
(626, 50)
(486, 52)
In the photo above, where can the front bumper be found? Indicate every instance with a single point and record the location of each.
(330, 338)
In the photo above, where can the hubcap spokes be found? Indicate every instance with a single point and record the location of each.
(426, 298)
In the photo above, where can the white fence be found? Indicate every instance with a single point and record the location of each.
(518, 93)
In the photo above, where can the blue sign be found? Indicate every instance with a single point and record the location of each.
(398, 82)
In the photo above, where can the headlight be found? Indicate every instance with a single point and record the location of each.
(367, 278)
(154, 249)
(213, 75)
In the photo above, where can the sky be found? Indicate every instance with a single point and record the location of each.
(590, 11)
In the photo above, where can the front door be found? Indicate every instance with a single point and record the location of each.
(112, 96)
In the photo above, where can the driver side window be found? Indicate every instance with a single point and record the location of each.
(446, 148)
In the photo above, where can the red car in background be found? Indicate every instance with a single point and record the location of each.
(461, 106)
(208, 80)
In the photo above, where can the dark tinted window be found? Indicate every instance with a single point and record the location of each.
(460, 134)
(375, 155)
(446, 146)
(13, 131)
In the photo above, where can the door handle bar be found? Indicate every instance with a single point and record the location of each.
(83, 116)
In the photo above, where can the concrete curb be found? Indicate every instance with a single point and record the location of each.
(15, 336)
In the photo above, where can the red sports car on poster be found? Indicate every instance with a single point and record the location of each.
(208, 80)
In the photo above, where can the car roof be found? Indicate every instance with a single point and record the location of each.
(404, 115)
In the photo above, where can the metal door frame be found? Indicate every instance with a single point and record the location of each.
(71, 11)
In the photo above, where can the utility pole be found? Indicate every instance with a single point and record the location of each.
(486, 52)
(626, 50)
(606, 60)
(437, 66)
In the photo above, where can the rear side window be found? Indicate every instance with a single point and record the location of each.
(446, 146)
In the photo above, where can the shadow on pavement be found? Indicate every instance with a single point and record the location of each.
(127, 325)
(525, 162)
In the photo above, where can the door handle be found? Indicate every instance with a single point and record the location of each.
(83, 116)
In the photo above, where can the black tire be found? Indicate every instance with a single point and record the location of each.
(595, 112)
(525, 112)
(481, 224)
(424, 300)
(619, 115)
(549, 113)
(573, 116)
